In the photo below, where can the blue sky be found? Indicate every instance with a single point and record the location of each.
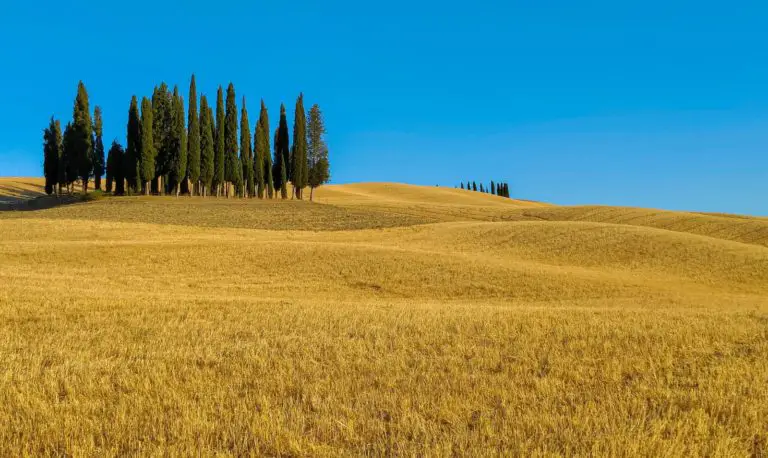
(656, 104)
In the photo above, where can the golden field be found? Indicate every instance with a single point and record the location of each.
(383, 319)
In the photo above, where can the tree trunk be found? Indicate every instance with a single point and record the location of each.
(311, 191)
(85, 187)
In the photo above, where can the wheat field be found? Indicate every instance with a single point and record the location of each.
(383, 319)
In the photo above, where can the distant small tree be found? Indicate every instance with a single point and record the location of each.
(318, 167)
(51, 155)
(462, 185)
(474, 186)
(98, 149)
(481, 188)
(493, 188)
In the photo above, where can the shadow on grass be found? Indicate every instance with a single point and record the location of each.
(38, 203)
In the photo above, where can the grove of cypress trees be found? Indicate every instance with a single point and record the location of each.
(132, 161)
(162, 105)
(98, 148)
(317, 152)
(246, 153)
(146, 146)
(230, 140)
(82, 141)
(115, 162)
(206, 146)
(51, 155)
(177, 153)
(263, 174)
(218, 158)
(299, 156)
(193, 140)
(280, 172)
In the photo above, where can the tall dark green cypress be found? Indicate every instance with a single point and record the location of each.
(82, 136)
(177, 154)
(51, 152)
(299, 156)
(69, 157)
(264, 152)
(193, 140)
(147, 146)
(493, 188)
(98, 148)
(280, 172)
(132, 164)
(206, 146)
(218, 158)
(162, 105)
(246, 153)
(115, 174)
(230, 141)
(318, 167)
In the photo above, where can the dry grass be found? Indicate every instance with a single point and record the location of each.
(471, 336)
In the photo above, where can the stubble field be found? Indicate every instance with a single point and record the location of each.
(382, 319)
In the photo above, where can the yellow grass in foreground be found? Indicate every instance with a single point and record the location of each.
(496, 328)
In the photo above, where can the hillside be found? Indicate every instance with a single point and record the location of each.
(382, 319)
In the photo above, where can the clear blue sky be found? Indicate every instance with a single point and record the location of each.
(657, 103)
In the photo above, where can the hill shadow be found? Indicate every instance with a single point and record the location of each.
(37, 202)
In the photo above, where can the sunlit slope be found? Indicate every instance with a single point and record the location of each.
(753, 230)
(459, 260)
(380, 205)
(13, 189)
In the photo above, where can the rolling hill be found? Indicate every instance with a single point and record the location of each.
(383, 319)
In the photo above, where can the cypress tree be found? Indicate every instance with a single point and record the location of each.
(258, 160)
(193, 140)
(147, 146)
(318, 168)
(462, 185)
(218, 158)
(82, 136)
(115, 161)
(493, 188)
(98, 149)
(263, 173)
(177, 146)
(162, 119)
(51, 155)
(280, 172)
(230, 140)
(299, 166)
(69, 158)
(131, 168)
(206, 146)
(474, 186)
(246, 153)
